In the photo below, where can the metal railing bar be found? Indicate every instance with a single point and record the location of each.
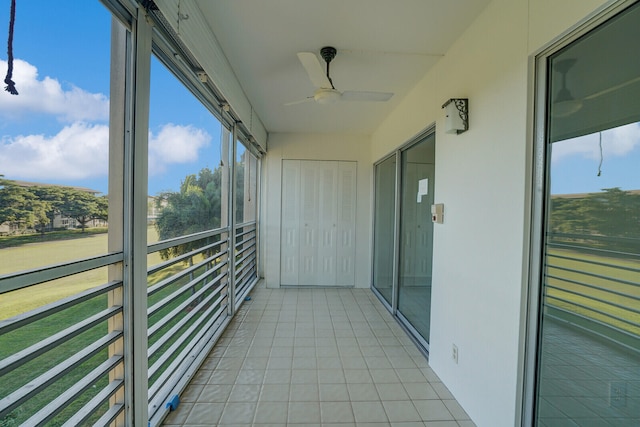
(595, 310)
(244, 246)
(246, 269)
(110, 416)
(188, 369)
(594, 237)
(25, 392)
(244, 258)
(183, 289)
(20, 320)
(20, 358)
(169, 262)
(243, 279)
(595, 287)
(244, 233)
(23, 279)
(243, 267)
(592, 298)
(605, 252)
(597, 276)
(246, 224)
(591, 262)
(246, 291)
(165, 244)
(187, 271)
(242, 271)
(65, 399)
(202, 332)
(92, 406)
(184, 336)
(176, 311)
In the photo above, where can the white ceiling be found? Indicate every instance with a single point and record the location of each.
(383, 45)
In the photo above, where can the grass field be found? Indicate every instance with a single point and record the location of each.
(29, 256)
(26, 256)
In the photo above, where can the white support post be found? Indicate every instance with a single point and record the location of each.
(232, 224)
(135, 238)
(117, 141)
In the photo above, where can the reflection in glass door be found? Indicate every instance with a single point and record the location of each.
(588, 369)
(383, 235)
(416, 235)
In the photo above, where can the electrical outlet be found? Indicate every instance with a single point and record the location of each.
(617, 394)
(454, 354)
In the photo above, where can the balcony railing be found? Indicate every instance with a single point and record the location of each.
(593, 282)
(63, 363)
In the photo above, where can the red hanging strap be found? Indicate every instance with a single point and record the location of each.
(11, 86)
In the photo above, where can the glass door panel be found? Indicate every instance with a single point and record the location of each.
(589, 343)
(383, 235)
(416, 235)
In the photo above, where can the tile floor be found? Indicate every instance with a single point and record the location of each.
(316, 357)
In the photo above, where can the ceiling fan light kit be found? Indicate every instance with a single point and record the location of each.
(457, 115)
(327, 96)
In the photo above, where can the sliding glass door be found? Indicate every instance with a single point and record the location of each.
(403, 233)
(588, 361)
(416, 235)
(383, 235)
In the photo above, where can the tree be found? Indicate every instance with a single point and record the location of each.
(82, 206)
(196, 207)
(22, 208)
(610, 217)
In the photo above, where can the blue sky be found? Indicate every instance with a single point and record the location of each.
(56, 129)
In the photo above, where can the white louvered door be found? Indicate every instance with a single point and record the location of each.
(318, 223)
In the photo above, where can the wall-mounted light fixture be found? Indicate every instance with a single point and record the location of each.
(457, 120)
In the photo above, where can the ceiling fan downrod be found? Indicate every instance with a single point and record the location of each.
(328, 53)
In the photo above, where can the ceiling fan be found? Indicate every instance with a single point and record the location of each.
(565, 104)
(325, 92)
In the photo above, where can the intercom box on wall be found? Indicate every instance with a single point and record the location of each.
(437, 213)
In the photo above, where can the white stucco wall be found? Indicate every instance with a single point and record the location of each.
(482, 177)
(316, 147)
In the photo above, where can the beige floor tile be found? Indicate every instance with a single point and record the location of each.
(238, 413)
(304, 393)
(275, 393)
(392, 391)
(316, 358)
(336, 412)
(333, 393)
(369, 412)
(303, 412)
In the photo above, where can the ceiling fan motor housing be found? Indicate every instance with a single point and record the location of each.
(328, 53)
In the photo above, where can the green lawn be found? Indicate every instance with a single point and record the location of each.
(27, 255)
(34, 255)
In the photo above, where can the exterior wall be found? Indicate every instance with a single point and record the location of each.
(315, 147)
(483, 178)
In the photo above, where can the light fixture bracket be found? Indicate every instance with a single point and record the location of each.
(457, 118)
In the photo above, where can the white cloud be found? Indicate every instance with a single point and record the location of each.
(81, 151)
(175, 144)
(616, 142)
(48, 96)
(78, 151)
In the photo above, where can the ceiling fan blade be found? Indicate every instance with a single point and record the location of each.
(363, 96)
(301, 101)
(314, 69)
(612, 88)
